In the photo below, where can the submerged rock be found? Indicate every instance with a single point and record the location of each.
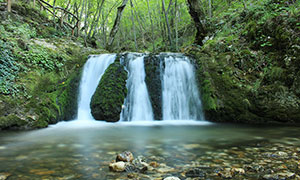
(171, 178)
(4, 176)
(194, 173)
(140, 164)
(125, 157)
(117, 166)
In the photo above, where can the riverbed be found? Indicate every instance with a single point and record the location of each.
(188, 150)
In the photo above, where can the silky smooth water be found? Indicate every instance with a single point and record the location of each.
(93, 70)
(75, 152)
(137, 106)
(181, 99)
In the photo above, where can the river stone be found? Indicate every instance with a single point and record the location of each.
(194, 173)
(117, 166)
(4, 176)
(125, 157)
(226, 173)
(237, 171)
(171, 178)
(140, 164)
(281, 154)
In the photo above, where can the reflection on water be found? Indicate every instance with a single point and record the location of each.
(69, 151)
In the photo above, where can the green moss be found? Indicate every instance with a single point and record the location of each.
(67, 96)
(106, 103)
(276, 73)
(11, 121)
(153, 81)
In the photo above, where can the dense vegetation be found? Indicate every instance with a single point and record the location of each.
(40, 69)
(249, 69)
(247, 53)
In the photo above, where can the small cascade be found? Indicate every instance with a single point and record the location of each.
(137, 106)
(180, 96)
(93, 70)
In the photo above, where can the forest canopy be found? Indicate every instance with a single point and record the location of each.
(144, 25)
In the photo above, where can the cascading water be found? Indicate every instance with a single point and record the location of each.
(92, 73)
(181, 100)
(137, 106)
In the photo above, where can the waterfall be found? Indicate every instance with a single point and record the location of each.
(93, 70)
(180, 96)
(137, 106)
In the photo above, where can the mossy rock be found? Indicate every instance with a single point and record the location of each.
(67, 99)
(153, 81)
(11, 121)
(107, 101)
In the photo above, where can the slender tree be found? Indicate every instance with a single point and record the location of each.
(209, 9)
(133, 26)
(152, 28)
(9, 5)
(116, 25)
(197, 14)
(167, 22)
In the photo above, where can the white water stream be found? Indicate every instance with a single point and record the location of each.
(180, 97)
(137, 106)
(93, 70)
(181, 100)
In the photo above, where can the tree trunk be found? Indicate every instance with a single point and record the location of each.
(141, 24)
(63, 14)
(87, 8)
(176, 25)
(197, 14)
(54, 14)
(9, 5)
(152, 28)
(209, 9)
(167, 22)
(80, 17)
(95, 23)
(133, 26)
(116, 25)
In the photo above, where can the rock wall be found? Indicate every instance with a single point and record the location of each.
(153, 81)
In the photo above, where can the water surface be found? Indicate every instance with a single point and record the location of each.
(83, 150)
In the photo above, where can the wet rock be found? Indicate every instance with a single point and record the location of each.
(67, 177)
(154, 164)
(4, 176)
(166, 169)
(171, 178)
(140, 164)
(132, 175)
(125, 157)
(281, 154)
(106, 103)
(195, 173)
(21, 157)
(283, 175)
(226, 173)
(117, 166)
(191, 146)
(237, 171)
(286, 175)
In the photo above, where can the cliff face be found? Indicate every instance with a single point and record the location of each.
(249, 70)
